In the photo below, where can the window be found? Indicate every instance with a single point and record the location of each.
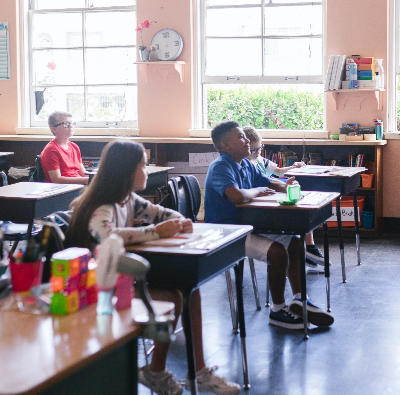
(262, 63)
(82, 61)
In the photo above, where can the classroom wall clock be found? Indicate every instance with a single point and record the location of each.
(169, 44)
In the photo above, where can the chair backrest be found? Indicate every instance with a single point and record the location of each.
(38, 175)
(60, 220)
(183, 195)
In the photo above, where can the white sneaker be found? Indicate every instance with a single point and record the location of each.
(163, 383)
(208, 381)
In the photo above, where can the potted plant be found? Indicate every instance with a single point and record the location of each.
(143, 51)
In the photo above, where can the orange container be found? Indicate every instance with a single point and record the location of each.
(347, 211)
(367, 180)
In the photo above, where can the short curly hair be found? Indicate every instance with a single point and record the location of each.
(220, 130)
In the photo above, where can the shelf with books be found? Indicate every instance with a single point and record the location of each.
(341, 96)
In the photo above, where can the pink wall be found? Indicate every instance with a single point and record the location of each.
(9, 89)
(356, 27)
(165, 106)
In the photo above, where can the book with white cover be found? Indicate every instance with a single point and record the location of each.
(329, 72)
(334, 71)
(339, 72)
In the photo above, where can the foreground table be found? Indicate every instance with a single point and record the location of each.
(188, 267)
(268, 216)
(343, 180)
(79, 354)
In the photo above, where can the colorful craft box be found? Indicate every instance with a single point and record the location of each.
(73, 280)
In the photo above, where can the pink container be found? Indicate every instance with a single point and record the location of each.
(25, 275)
(124, 292)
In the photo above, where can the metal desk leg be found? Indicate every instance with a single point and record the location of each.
(341, 245)
(187, 328)
(231, 301)
(357, 227)
(303, 284)
(326, 263)
(240, 311)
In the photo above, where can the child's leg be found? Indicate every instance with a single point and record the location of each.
(309, 238)
(159, 356)
(278, 260)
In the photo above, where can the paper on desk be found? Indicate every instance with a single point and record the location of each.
(271, 198)
(314, 169)
(177, 240)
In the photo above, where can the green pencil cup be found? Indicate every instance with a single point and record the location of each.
(294, 193)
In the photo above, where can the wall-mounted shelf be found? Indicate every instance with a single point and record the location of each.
(163, 67)
(358, 95)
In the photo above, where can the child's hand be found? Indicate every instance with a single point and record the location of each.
(291, 181)
(298, 164)
(169, 228)
(187, 225)
(264, 191)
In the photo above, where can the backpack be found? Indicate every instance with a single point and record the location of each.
(183, 194)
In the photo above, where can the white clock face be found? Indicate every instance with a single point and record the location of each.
(169, 44)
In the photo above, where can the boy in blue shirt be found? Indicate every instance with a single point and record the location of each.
(232, 179)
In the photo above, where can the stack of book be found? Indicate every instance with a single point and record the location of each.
(365, 73)
(335, 73)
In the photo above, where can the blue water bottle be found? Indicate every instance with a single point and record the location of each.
(378, 129)
(353, 76)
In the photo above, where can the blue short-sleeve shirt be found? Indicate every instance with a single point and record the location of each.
(225, 172)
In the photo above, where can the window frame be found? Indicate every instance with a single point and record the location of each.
(28, 87)
(200, 78)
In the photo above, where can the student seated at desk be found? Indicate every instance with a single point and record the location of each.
(314, 256)
(61, 159)
(232, 180)
(102, 210)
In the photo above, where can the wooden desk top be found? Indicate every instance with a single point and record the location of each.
(35, 190)
(227, 233)
(325, 171)
(6, 153)
(37, 351)
(150, 169)
(271, 202)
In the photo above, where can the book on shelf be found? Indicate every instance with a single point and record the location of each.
(340, 72)
(334, 71)
(364, 73)
(315, 158)
(329, 72)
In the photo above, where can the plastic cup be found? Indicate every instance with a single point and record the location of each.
(25, 275)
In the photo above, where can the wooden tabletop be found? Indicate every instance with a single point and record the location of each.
(271, 202)
(6, 153)
(37, 351)
(325, 171)
(215, 236)
(35, 190)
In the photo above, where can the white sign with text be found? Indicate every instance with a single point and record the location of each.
(347, 214)
(202, 158)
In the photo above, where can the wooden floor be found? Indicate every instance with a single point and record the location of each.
(358, 355)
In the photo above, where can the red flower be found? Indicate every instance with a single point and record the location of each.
(51, 65)
(146, 24)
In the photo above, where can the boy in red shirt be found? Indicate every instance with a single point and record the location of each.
(61, 159)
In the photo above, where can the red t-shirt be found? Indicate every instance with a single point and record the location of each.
(55, 157)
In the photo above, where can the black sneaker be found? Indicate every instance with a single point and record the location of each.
(286, 319)
(315, 315)
(314, 256)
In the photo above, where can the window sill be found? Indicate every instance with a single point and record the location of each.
(131, 132)
(280, 134)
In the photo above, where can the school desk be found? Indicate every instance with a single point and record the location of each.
(80, 353)
(188, 266)
(157, 177)
(344, 180)
(5, 160)
(25, 201)
(267, 216)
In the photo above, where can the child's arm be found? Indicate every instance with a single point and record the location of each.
(239, 196)
(280, 171)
